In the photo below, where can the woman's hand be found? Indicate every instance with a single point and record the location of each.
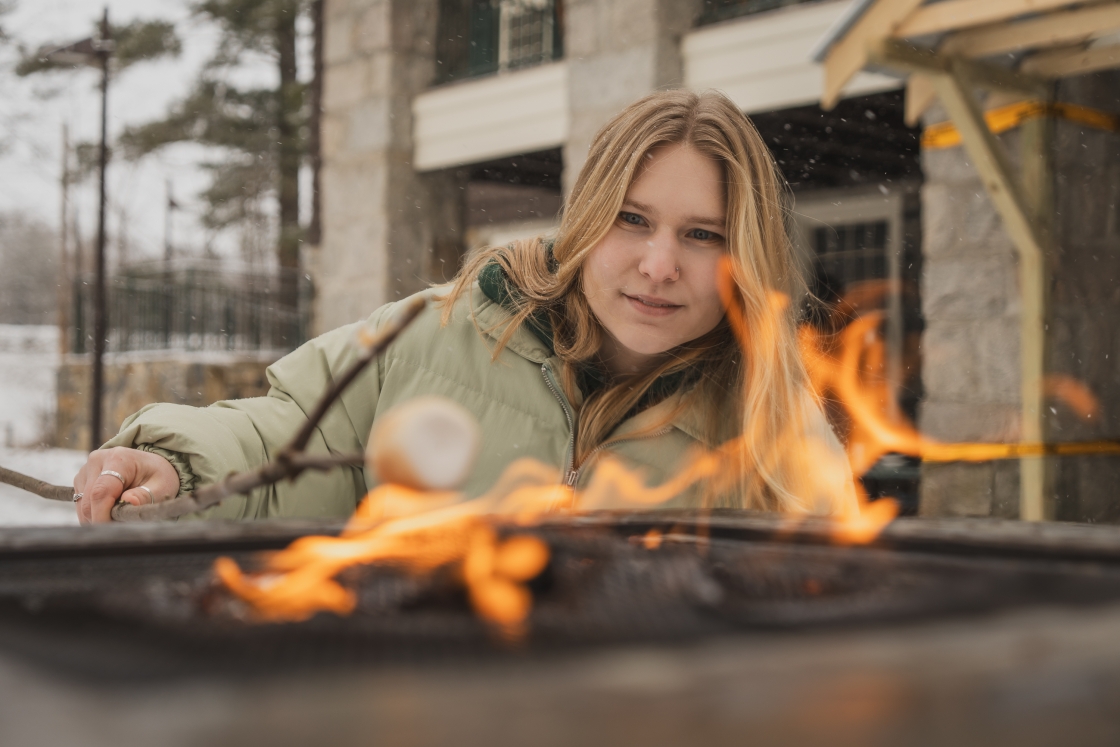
(100, 489)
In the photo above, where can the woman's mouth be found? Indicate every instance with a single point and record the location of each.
(652, 305)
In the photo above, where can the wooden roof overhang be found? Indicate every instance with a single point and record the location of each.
(1013, 49)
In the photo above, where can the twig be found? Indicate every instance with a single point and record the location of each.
(290, 461)
(242, 483)
(38, 487)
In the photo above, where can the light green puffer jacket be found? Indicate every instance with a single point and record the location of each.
(516, 398)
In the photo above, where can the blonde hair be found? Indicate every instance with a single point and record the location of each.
(762, 376)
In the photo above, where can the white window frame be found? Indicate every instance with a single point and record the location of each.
(831, 208)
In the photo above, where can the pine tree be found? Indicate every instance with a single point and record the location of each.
(263, 130)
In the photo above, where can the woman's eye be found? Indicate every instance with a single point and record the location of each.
(702, 235)
(632, 218)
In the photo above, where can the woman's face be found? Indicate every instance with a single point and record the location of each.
(652, 280)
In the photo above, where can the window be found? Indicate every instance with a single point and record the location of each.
(852, 253)
(481, 37)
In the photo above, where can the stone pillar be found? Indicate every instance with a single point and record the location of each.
(618, 51)
(970, 300)
(381, 220)
(970, 347)
(1083, 341)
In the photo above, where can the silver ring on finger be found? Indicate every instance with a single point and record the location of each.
(149, 492)
(78, 497)
(113, 473)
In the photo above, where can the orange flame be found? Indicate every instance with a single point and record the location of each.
(421, 531)
(1071, 392)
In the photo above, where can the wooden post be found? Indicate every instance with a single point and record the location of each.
(1038, 189)
(1019, 220)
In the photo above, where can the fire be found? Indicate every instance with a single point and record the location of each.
(421, 531)
(1073, 394)
(418, 532)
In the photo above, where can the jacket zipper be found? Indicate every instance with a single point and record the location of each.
(574, 476)
(570, 473)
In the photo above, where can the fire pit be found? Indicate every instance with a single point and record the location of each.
(142, 600)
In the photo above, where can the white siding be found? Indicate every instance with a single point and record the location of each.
(497, 116)
(762, 62)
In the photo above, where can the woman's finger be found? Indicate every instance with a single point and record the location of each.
(140, 496)
(157, 475)
(102, 496)
(83, 481)
(117, 474)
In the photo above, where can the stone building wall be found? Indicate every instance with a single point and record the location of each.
(382, 222)
(135, 379)
(1084, 337)
(618, 50)
(970, 301)
(389, 231)
(970, 346)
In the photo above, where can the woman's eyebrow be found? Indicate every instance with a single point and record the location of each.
(638, 206)
(699, 219)
(716, 222)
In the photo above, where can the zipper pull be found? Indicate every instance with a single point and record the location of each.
(570, 480)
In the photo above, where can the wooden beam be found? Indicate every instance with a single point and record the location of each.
(952, 15)
(1070, 27)
(920, 94)
(849, 55)
(1018, 218)
(906, 57)
(1062, 63)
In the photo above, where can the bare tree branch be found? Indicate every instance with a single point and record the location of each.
(289, 462)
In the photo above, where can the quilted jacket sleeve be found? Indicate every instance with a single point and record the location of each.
(238, 435)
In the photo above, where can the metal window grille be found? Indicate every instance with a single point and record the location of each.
(481, 37)
(193, 310)
(525, 38)
(854, 252)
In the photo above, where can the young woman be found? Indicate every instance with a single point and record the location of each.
(612, 338)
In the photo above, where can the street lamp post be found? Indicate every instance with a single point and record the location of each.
(96, 52)
(104, 51)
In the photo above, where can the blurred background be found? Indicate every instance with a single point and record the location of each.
(277, 168)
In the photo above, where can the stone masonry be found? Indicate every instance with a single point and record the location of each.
(618, 50)
(383, 222)
(1084, 338)
(389, 231)
(133, 380)
(970, 301)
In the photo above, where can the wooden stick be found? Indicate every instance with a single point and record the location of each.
(38, 487)
(237, 484)
(290, 461)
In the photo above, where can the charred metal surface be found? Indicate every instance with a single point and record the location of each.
(140, 602)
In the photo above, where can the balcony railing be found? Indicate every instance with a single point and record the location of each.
(193, 310)
(481, 37)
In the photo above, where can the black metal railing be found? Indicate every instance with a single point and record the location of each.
(481, 37)
(195, 310)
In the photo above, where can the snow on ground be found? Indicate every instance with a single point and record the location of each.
(57, 466)
(29, 360)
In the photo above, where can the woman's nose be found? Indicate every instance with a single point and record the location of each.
(659, 262)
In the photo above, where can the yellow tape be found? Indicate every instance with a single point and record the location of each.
(1004, 118)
